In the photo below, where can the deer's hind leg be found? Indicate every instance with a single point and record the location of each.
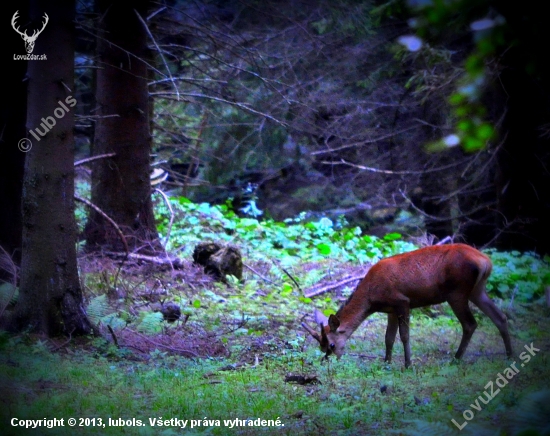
(489, 308)
(467, 321)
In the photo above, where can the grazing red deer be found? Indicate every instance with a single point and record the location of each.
(455, 273)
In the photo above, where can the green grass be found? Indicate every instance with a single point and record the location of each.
(81, 383)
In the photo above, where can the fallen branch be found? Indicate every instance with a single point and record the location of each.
(316, 291)
(265, 279)
(174, 261)
(58, 347)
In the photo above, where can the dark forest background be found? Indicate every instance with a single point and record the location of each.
(184, 183)
(317, 107)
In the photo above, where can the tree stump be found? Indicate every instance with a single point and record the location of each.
(218, 260)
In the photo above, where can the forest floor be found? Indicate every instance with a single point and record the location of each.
(237, 361)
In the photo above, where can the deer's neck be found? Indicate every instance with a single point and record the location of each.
(353, 313)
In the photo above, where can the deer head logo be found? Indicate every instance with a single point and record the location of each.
(29, 40)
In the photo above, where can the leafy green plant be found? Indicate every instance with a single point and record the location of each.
(293, 241)
(518, 275)
(83, 190)
(150, 322)
(8, 295)
(472, 129)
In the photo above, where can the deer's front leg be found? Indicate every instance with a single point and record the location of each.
(403, 316)
(391, 332)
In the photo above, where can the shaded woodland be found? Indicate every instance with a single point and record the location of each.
(320, 101)
(185, 182)
(322, 98)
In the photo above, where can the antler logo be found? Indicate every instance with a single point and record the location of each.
(29, 40)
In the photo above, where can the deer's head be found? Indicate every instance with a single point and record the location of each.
(332, 338)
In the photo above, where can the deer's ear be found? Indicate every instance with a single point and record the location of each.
(333, 323)
(320, 318)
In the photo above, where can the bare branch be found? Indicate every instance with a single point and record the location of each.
(92, 158)
(378, 170)
(159, 52)
(243, 106)
(316, 290)
(361, 143)
(265, 279)
(173, 262)
(107, 217)
(169, 206)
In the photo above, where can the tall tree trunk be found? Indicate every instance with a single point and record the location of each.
(523, 176)
(13, 113)
(121, 185)
(50, 297)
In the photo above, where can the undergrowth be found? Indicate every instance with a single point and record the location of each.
(297, 241)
